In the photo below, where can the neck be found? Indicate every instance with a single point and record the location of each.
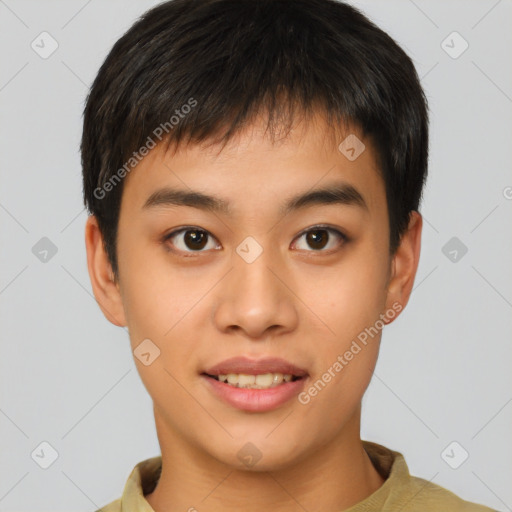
(335, 476)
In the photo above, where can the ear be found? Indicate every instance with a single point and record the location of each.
(105, 289)
(404, 265)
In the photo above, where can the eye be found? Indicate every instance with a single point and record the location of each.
(190, 239)
(319, 238)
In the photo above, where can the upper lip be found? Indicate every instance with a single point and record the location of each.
(255, 367)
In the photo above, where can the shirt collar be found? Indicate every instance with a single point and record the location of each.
(142, 481)
(390, 464)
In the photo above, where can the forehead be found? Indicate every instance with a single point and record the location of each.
(253, 171)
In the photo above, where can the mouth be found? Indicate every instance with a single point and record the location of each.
(255, 385)
(244, 372)
(258, 381)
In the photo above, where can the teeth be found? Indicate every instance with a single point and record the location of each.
(263, 381)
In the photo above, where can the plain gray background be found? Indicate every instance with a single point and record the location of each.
(68, 377)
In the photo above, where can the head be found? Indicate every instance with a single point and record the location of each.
(254, 103)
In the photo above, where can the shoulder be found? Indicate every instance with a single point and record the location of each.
(407, 493)
(425, 496)
(142, 481)
(113, 506)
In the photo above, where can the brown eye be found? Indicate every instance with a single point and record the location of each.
(195, 240)
(190, 240)
(317, 239)
(322, 239)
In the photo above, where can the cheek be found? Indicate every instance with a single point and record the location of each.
(152, 290)
(163, 303)
(349, 301)
(348, 298)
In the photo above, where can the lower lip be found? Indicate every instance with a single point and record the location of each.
(256, 400)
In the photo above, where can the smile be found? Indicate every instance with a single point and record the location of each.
(260, 381)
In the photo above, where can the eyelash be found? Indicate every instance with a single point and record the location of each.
(320, 227)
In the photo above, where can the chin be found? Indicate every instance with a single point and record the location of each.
(258, 454)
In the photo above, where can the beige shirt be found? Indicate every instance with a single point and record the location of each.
(400, 491)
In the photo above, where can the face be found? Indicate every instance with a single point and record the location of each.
(312, 284)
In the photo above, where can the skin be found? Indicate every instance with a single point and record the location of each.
(295, 301)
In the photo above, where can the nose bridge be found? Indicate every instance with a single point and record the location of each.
(253, 298)
(252, 274)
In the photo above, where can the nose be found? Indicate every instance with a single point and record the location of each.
(255, 298)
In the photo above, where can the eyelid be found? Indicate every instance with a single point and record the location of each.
(325, 227)
(182, 229)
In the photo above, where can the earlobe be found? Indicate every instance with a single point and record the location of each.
(404, 265)
(106, 290)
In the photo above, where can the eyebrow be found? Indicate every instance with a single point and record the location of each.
(337, 193)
